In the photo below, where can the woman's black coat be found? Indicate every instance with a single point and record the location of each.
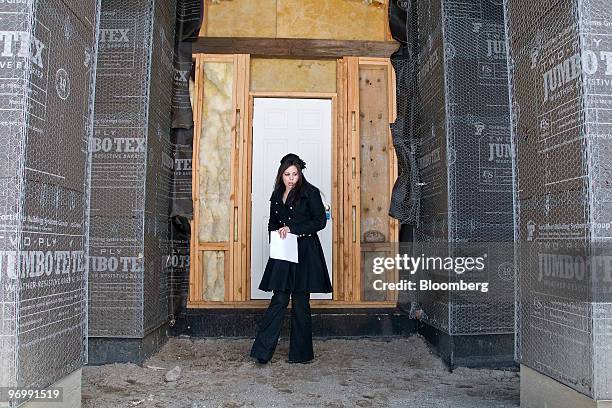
(304, 217)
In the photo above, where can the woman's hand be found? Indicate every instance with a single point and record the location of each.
(283, 232)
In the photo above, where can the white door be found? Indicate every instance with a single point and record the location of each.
(281, 126)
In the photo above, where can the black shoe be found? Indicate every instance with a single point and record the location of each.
(300, 362)
(262, 361)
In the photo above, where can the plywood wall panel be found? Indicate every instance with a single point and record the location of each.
(374, 154)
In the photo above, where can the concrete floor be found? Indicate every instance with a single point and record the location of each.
(398, 372)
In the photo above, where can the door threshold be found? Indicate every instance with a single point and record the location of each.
(263, 303)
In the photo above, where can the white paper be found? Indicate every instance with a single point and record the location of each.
(285, 249)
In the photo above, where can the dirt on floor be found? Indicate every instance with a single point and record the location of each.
(396, 372)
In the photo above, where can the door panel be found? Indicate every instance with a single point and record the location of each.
(281, 126)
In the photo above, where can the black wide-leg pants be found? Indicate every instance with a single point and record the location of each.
(300, 346)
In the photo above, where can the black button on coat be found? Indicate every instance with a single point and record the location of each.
(305, 218)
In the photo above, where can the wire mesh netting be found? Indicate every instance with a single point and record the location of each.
(453, 146)
(160, 167)
(132, 166)
(48, 78)
(455, 185)
(561, 65)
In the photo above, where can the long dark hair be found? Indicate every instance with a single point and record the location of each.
(299, 187)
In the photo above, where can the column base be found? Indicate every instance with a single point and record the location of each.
(472, 351)
(326, 323)
(540, 391)
(71, 385)
(108, 350)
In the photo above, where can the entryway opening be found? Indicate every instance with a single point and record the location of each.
(280, 126)
(250, 112)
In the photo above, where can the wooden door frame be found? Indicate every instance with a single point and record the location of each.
(233, 248)
(345, 249)
(352, 174)
(333, 97)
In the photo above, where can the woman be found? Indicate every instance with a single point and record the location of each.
(295, 207)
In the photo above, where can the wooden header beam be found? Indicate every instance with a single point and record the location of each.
(294, 47)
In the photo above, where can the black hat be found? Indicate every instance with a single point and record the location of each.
(295, 158)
